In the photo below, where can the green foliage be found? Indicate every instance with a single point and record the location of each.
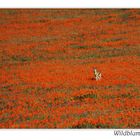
(21, 59)
(78, 47)
(88, 125)
(85, 96)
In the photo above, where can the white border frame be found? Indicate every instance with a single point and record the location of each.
(69, 3)
(64, 134)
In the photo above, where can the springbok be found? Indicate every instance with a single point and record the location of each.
(97, 74)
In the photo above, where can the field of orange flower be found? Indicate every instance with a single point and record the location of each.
(46, 68)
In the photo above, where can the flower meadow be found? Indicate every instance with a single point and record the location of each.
(46, 68)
